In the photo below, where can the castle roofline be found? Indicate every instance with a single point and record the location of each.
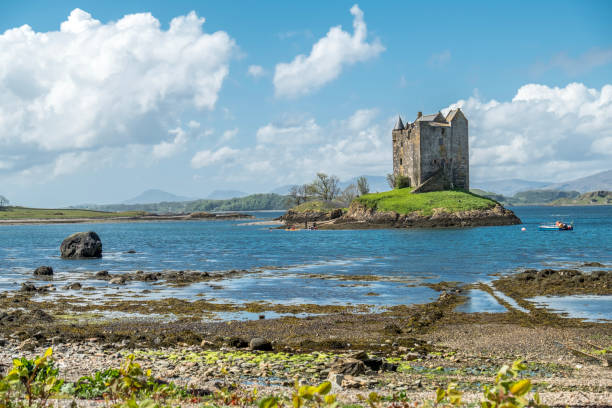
(452, 113)
(434, 117)
(399, 125)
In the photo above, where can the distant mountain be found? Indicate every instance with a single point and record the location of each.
(600, 197)
(508, 187)
(155, 196)
(596, 182)
(225, 194)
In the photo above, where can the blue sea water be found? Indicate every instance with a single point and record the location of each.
(404, 257)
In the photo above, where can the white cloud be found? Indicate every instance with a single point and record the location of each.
(208, 157)
(229, 134)
(95, 85)
(256, 71)
(167, 149)
(292, 151)
(306, 132)
(306, 74)
(542, 133)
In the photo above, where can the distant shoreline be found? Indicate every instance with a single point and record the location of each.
(146, 218)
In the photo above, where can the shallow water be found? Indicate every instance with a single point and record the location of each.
(588, 307)
(408, 256)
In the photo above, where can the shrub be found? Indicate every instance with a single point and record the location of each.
(402, 181)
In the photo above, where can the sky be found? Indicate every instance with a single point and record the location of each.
(100, 101)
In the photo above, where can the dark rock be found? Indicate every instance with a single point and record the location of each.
(82, 245)
(392, 328)
(374, 363)
(237, 342)
(29, 287)
(593, 264)
(2, 342)
(131, 251)
(120, 280)
(43, 271)
(387, 366)
(74, 286)
(103, 275)
(349, 366)
(336, 213)
(258, 343)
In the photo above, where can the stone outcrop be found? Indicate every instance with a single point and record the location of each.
(361, 217)
(260, 344)
(300, 217)
(43, 271)
(82, 245)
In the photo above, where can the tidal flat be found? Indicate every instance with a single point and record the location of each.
(410, 350)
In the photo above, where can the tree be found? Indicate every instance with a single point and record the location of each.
(349, 194)
(391, 180)
(325, 187)
(363, 187)
(3, 201)
(298, 194)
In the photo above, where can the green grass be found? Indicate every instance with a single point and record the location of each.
(20, 213)
(315, 205)
(402, 201)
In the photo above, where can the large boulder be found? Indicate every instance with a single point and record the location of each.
(82, 245)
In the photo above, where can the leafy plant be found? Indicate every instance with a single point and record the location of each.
(36, 379)
(305, 395)
(94, 386)
(509, 390)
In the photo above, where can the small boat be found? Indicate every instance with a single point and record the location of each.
(557, 226)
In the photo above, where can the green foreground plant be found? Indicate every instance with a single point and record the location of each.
(35, 382)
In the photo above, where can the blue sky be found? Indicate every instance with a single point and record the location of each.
(107, 107)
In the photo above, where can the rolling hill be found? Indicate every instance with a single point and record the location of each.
(596, 182)
(155, 196)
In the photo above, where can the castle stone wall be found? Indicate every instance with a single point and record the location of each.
(461, 160)
(425, 148)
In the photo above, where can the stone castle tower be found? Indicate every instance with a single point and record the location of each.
(433, 151)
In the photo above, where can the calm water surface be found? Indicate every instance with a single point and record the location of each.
(411, 256)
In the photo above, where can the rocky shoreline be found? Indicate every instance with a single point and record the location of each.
(361, 217)
(403, 353)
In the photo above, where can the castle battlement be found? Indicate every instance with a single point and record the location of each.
(433, 145)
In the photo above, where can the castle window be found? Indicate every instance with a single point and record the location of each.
(443, 130)
(401, 161)
(440, 141)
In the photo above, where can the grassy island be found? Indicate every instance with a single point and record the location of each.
(20, 213)
(402, 201)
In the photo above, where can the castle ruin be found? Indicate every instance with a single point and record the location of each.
(433, 151)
